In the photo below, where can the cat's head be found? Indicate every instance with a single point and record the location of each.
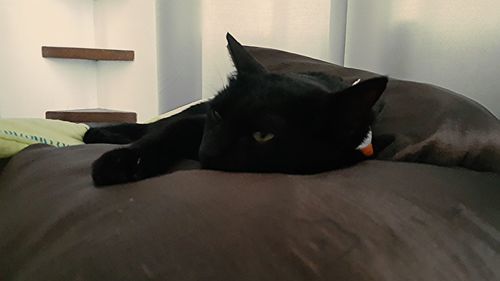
(291, 123)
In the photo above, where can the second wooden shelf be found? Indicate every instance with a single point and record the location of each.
(87, 53)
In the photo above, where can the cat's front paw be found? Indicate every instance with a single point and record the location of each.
(116, 166)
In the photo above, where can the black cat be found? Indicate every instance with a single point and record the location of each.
(297, 123)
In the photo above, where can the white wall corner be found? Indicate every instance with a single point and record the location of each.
(31, 84)
(131, 86)
(338, 25)
(179, 52)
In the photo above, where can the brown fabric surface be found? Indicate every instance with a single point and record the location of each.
(379, 220)
(3, 162)
(416, 122)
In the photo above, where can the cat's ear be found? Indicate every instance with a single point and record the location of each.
(356, 101)
(243, 61)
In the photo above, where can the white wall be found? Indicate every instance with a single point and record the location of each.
(338, 22)
(179, 52)
(454, 44)
(293, 25)
(30, 84)
(131, 25)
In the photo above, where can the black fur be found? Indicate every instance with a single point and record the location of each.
(261, 122)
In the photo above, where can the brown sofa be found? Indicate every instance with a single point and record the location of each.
(428, 208)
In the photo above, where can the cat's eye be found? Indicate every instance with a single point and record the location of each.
(261, 137)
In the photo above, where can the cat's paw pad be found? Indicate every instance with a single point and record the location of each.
(116, 166)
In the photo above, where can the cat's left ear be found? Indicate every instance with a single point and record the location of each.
(243, 61)
(357, 100)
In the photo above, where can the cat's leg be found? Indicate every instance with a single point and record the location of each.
(151, 155)
(118, 134)
(127, 133)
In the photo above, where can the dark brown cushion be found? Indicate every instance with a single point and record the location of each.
(415, 122)
(379, 220)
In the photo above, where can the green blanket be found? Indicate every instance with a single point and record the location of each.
(16, 134)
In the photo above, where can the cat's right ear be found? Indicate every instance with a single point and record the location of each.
(243, 61)
(354, 103)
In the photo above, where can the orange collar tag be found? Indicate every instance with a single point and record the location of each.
(366, 146)
(367, 150)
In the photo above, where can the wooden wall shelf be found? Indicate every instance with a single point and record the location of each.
(87, 53)
(93, 115)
